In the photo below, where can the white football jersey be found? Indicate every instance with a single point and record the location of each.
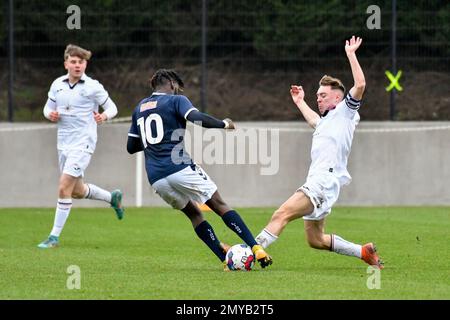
(332, 140)
(77, 129)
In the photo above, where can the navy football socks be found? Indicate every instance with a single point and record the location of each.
(205, 232)
(233, 220)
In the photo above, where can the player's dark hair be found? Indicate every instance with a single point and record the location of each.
(164, 76)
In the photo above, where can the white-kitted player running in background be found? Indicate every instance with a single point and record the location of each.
(331, 145)
(73, 102)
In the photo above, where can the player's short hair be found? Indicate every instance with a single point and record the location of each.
(76, 51)
(334, 83)
(163, 76)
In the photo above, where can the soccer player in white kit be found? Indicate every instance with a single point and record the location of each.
(73, 102)
(331, 145)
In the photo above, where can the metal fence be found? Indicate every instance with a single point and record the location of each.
(265, 38)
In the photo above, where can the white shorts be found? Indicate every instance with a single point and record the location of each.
(323, 191)
(73, 162)
(185, 185)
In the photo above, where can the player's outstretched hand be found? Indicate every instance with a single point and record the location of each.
(297, 94)
(229, 124)
(352, 45)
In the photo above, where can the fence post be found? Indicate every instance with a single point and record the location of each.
(203, 90)
(11, 62)
(393, 56)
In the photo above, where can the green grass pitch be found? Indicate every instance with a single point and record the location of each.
(154, 254)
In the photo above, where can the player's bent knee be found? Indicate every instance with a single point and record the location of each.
(286, 213)
(278, 215)
(282, 215)
(64, 192)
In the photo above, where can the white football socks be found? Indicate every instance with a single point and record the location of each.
(62, 213)
(338, 245)
(344, 247)
(265, 238)
(97, 193)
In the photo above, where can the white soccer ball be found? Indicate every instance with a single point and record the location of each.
(240, 257)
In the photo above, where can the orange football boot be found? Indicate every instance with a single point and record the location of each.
(370, 256)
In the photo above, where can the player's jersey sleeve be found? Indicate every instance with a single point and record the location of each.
(350, 106)
(99, 94)
(183, 106)
(134, 142)
(52, 92)
(134, 130)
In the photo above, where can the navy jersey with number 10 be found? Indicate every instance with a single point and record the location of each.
(159, 121)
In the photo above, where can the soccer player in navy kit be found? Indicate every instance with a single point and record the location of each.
(157, 128)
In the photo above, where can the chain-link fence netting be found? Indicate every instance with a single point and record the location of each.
(254, 51)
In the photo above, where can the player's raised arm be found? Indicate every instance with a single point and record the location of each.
(358, 76)
(298, 96)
